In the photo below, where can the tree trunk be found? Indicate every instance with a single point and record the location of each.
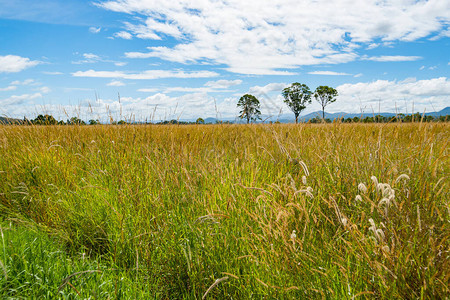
(323, 113)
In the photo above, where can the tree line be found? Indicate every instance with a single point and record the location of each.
(297, 97)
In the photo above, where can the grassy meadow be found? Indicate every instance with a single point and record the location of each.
(308, 211)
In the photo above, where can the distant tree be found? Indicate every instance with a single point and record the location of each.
(121, 122)
(296, 97)
(75, 121)
(325, 95)
(200, 121)
(94, 122)
(249, 108)
(315, 120)
(26, 121)
(45, 120)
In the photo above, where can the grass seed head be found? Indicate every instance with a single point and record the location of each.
(362, 188)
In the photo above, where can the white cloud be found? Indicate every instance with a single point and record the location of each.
(148, 90)
(25, 82)
(264, 36)
(53, 73)
(91, 56)
(19, 99)
(358, 75)
(150, 74)
(95, 29)
(116, 83)
(388, 96)
(271, 87)
(392, 58)
(421, 68)
(14, 63)
(328, 73)
(269, 96)
(8, 88)
(123, 35)
(45, 90)
(189, 90)
(222, 83)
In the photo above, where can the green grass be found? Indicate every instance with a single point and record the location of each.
(35, 266)
(172, 209)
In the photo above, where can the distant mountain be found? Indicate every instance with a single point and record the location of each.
(5, 120)
(290, 119)
(443, 112)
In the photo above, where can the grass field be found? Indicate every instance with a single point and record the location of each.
(302, 211)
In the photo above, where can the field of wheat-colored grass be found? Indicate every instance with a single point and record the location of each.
(302, 211)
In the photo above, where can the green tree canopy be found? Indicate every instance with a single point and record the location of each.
(249, 106)
(325, 95)
(296, 97)
(45, 120)
(200, 121)
(75, 121)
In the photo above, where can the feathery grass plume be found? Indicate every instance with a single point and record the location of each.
(358, 198)
(214, 285)
(305, 168)
(304, 180)
(375, 181)
(377, 232)
(402, 176)
(362, 188)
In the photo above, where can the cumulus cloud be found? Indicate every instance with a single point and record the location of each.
(328, 73)
(266, 89)
(123, 35)
(19, 99)
(150, 74)
(14, 63)
(267, 37)
(45, 90)
(24, 82)
(8, 88)
(394, 95)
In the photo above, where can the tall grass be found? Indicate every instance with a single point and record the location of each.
(241, 211)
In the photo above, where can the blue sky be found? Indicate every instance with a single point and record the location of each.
(188, 59)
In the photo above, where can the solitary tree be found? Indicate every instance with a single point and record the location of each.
(249, 108)
(325, 95)
(200, 121)
(297, 96)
